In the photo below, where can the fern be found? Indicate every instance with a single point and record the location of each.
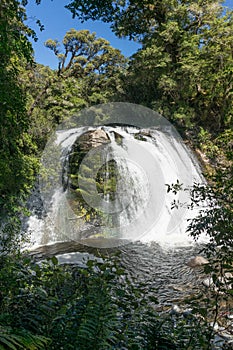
(11, 339)
(99, 320)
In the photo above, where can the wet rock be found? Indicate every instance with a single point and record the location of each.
(203, 158)
(178, 288)
(140, 136)
(223, 340)
(88, 141)
(146, 133)
(175, 310)
(228, 275)
(92, 139)
(214, 325)
(223, 280)
(197, 261)
(80, 148)
(118, 137)
(94, 246)
(208, 282)
(77, 258)
(187, 312)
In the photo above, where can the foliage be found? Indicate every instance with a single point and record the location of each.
(70, 306)
(92, 61)
(128, 18)
(15, 162)
(98, 306)
(215, 219)
(14, 339)
(84, 54)
(217, 148)
(50, 100)
(88, 73)
(17, 151)
(184, 69)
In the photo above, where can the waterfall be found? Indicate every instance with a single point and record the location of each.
(144, 161)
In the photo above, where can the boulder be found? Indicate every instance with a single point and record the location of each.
(83, 144)
(208, 282)
(197, 261)
(105, 246)
(92, 139)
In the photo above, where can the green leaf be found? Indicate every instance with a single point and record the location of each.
(54, 260)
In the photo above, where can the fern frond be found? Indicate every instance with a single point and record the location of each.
(11, 339)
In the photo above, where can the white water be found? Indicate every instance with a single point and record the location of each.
(142, 207)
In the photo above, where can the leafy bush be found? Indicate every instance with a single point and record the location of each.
(215, 219)
(97, 307)
(15, 339)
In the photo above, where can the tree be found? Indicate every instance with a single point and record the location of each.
(132, 18)
(186, 74)
(92, 61)
(50, 100)
(139, 18)
(17, 153)
(184, 69)
(14, 46)
(88, 73)
(84, 54)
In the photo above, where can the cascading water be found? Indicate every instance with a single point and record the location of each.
(105, 186)
(121, 185)
(145, 161)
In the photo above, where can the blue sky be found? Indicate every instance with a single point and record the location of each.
(58, 20)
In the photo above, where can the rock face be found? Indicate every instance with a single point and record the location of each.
(83, 144)
(197, 261)
(92, 139)
(93, 172)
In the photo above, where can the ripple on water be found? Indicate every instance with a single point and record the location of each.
(162, 270)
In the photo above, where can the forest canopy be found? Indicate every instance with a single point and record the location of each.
(184, 69)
